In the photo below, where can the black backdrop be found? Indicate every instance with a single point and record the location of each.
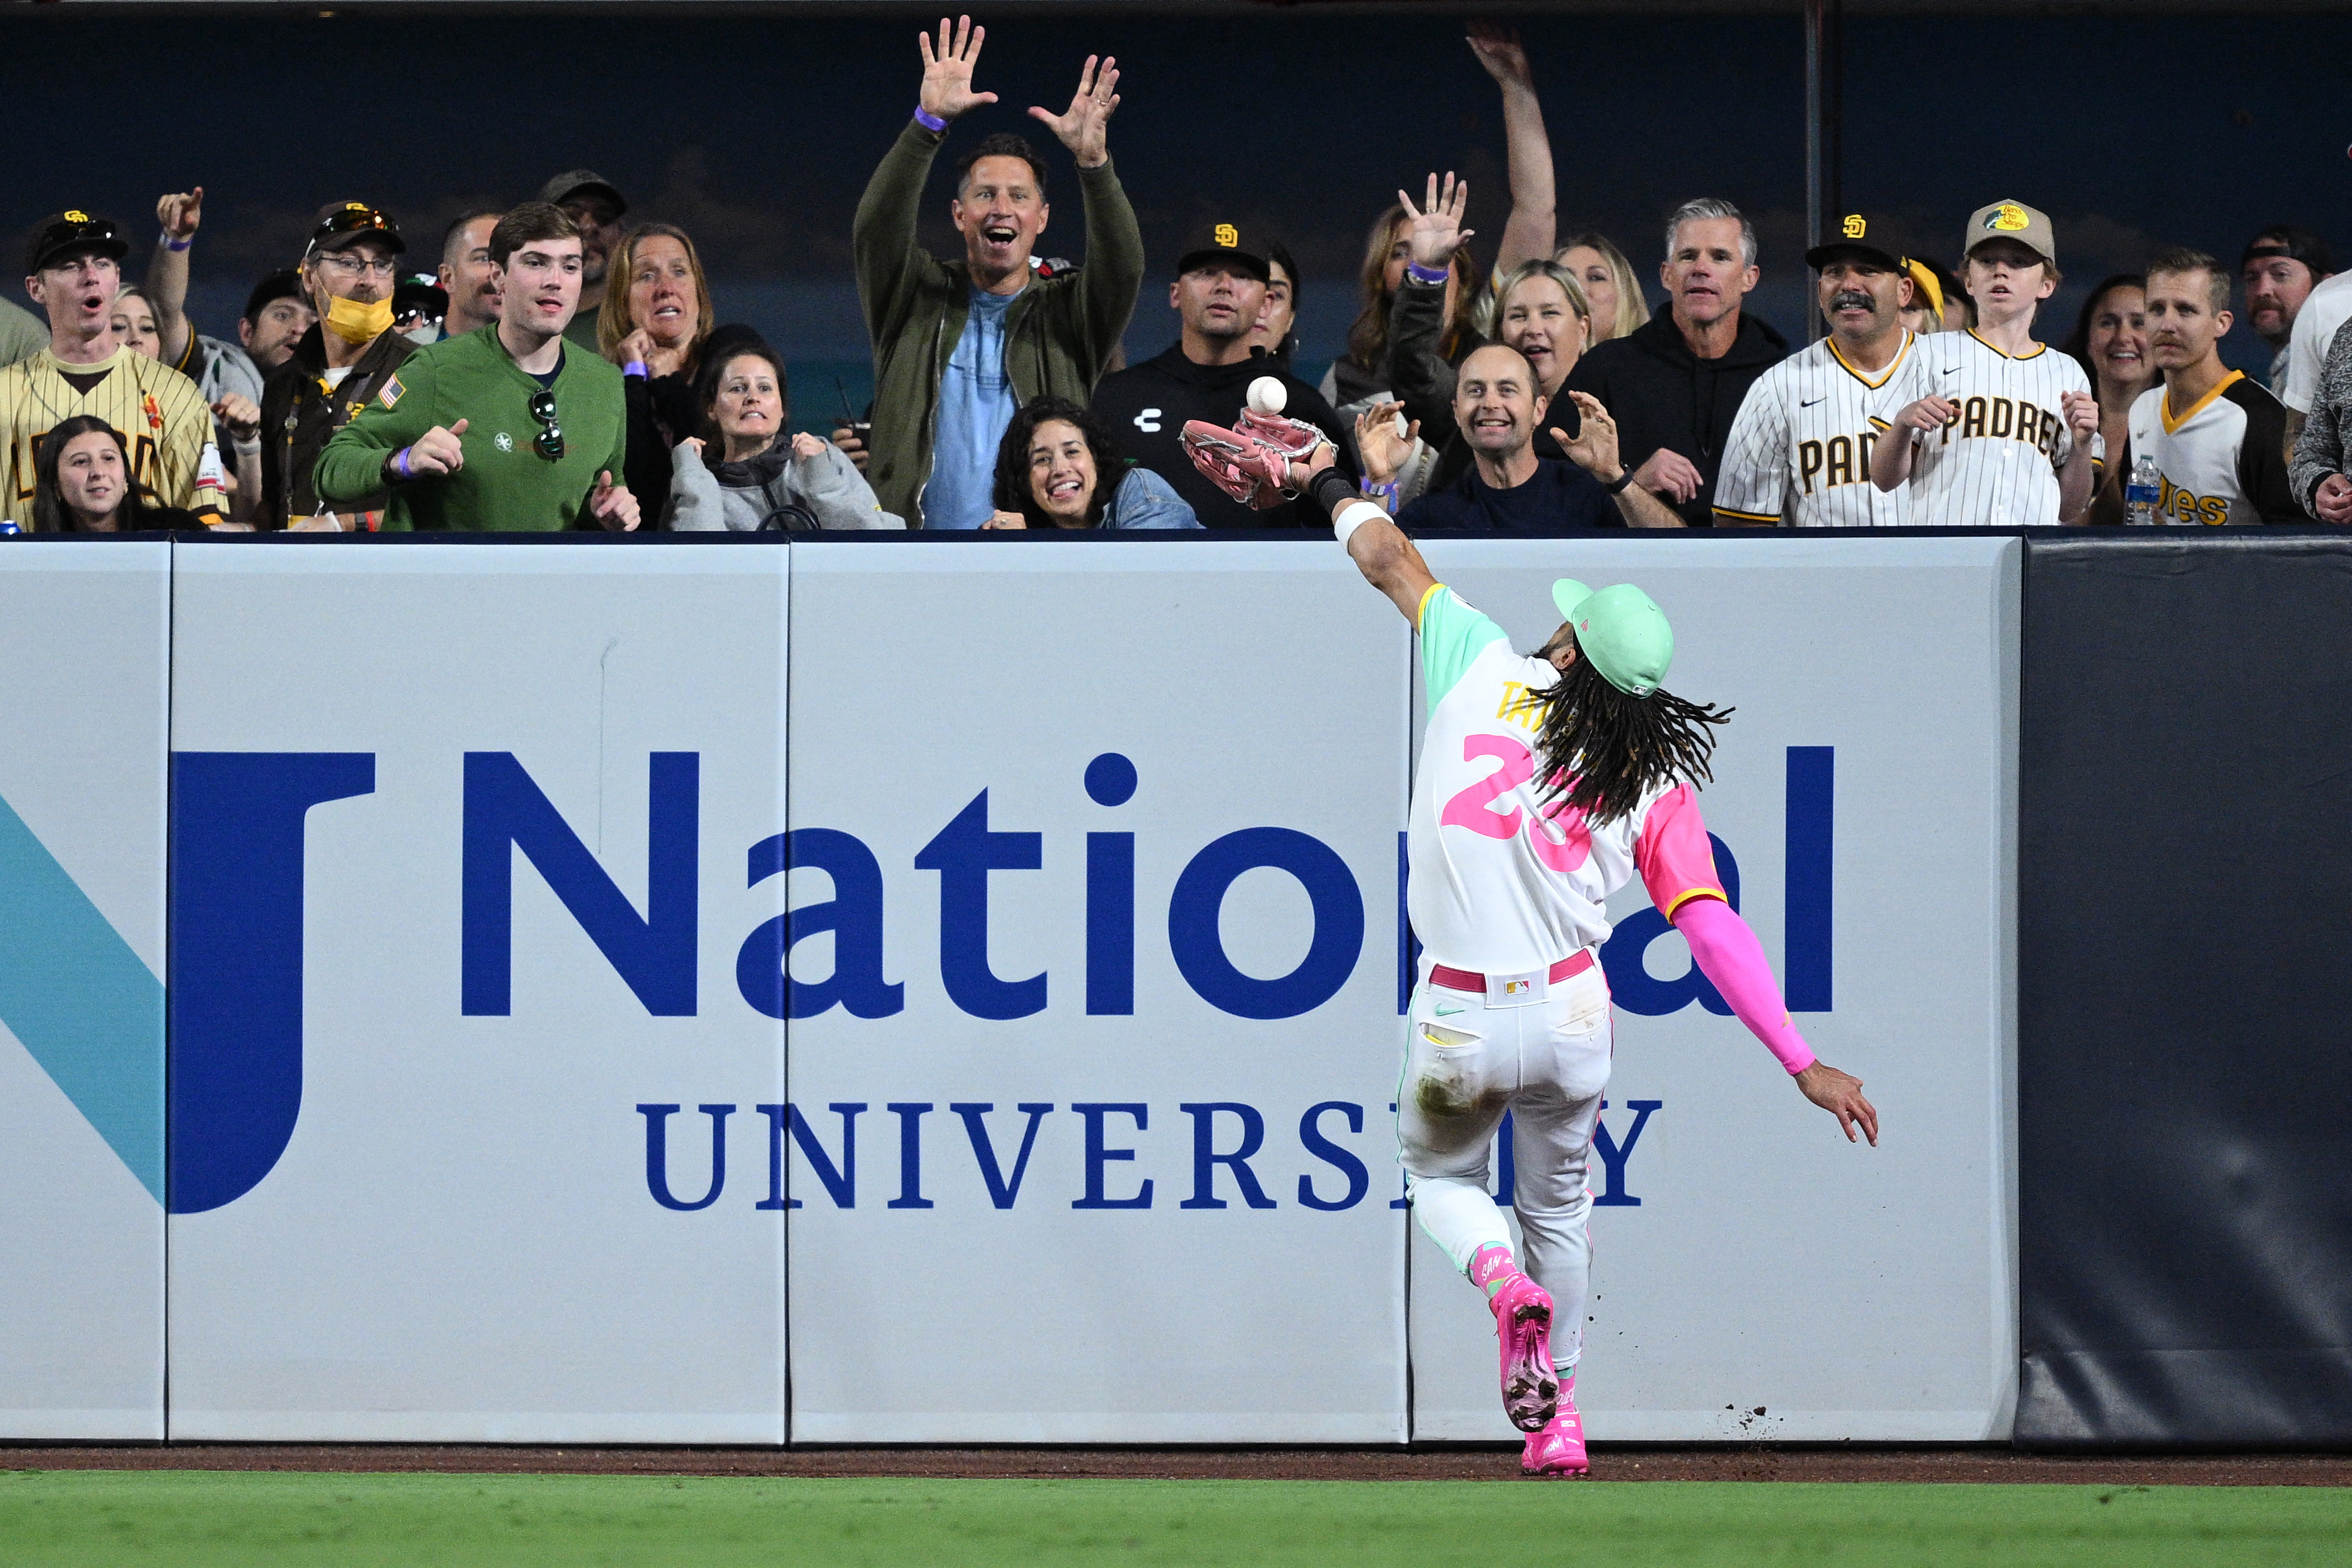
(2185, 992)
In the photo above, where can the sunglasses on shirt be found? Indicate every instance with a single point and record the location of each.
(548, 442)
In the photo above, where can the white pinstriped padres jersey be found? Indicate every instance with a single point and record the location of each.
(162, 415)
(1800, 449)
(1996, 464)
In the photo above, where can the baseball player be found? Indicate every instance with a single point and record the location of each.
(1545, 782)
(72, 271)
(1800, 449)
(1994, 430)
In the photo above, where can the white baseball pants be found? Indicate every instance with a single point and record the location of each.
(1547, 1064)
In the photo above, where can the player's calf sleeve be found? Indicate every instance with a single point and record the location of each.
(1725, 950)
(1459, 1216)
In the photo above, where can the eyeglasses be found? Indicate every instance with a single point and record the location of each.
(548, 443)
(354, 219)
(384, 266)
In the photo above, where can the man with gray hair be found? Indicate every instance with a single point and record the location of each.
(1675, 385)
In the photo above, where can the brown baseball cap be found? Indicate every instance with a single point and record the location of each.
(342, 225)
(1224, 242)
(572, 182)
(2014, 220)
(72, 233)
(1864, 234)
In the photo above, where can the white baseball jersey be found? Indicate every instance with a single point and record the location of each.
(1800, 449)
(2219, 462)
(1500, 879)
(2325, 309)
(1996, 464)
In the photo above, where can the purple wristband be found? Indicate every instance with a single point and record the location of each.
(930, 123)
(171, 243)
(636, 367)
(1420, 274)
(400, 463)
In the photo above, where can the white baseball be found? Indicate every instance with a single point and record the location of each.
(1266, 396)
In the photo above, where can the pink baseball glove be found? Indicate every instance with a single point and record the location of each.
(1252, 462)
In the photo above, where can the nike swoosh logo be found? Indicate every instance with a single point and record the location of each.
(1812, 402)
(1445, 1012)
(1951, 370)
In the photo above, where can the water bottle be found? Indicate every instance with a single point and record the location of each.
(2142, 493)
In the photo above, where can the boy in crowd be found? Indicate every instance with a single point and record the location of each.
(1994, 429)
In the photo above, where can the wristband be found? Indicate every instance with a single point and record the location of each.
(1353, 516)
(1331, 490)
(1617, 486)
(246, 445)
(168, 243)
(1420, 274)
(930, 121)
(636, 367)
(1380, 492)
(400, 463)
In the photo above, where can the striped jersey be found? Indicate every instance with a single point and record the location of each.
(1800, 449)
(2220, 461)
(163, 418)
(1996, 464)
(1502, 875)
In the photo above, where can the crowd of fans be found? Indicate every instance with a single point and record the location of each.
(554, 365)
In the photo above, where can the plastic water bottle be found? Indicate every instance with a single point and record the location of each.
(2142, 493)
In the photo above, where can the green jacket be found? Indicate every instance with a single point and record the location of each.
(504, 483)
(1058, 335)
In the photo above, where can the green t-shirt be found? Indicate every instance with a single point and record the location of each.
(582, 330)
(504, 483)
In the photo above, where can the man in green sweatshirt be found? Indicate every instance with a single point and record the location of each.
(506, 427)
(960, 346)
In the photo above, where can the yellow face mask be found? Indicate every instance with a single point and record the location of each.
(357, 321)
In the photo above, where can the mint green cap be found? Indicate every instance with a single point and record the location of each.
(1621, 630)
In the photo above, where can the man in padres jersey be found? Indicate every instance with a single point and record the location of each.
(1800, 450)
(1547, 781)
(2214, 432)
(1994, 430)
(71, 265)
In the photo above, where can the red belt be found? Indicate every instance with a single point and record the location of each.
(1576, 963)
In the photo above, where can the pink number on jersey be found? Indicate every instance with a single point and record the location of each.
(1473, 808)
(1567, 853)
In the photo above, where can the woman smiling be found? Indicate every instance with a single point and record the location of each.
(1059, 467)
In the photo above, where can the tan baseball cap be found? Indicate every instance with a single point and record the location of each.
(2012, 220)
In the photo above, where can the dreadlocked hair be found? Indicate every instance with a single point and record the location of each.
(1605, 749)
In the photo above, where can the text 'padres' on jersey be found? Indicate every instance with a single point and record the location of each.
(1800, 449)
(2222, 461)
(1996, 464)
(162, 416)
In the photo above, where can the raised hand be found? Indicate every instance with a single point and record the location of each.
(1595, 448)
(1082, 127)
(238, 414)
(612, 504)
(1435, 228)
(180, 215)
(1498, 49)
(437, 451)
(1377, 443)
(947, 72)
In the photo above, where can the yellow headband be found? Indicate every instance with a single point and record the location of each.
(1924, 279)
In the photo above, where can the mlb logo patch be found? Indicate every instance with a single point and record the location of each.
(1518, 987)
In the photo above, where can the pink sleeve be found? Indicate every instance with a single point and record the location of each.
(1677, 862)
(1727, 952)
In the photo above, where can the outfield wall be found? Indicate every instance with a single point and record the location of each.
(918, 990)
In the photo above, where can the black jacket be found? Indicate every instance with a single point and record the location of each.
(1558, 494)
(298, 414)
(1661, 394)
(1146, 407)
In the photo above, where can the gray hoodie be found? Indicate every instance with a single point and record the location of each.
(741, 496)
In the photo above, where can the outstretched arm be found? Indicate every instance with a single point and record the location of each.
(1528, 234)
(1388, 561)
(167, 274)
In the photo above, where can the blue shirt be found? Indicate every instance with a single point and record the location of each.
(976, 404)
(1558, 494)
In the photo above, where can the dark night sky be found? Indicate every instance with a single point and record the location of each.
(757, 131)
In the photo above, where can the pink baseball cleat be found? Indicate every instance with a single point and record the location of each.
(1557, 1451)
(1251, 462)
(1522, 1311)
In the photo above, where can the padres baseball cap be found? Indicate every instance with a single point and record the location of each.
(1224, 242)
(2011, 220)
(1621, 630)
(582, 182)
(1859, 235)
(72, 233)
(342, 225)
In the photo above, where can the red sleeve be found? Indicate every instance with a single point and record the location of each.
(1671, 852)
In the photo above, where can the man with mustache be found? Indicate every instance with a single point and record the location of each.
(2214, 432)
(2280, 268)
(962, 345)
(1800, 450)
(467, 275)
(1675, 385)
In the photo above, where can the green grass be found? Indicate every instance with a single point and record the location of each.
(198, 1518)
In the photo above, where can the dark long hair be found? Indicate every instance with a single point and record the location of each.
(2078, 346)
(1368, 339)
(1013, 460)
(1605, 749)
(49, 512)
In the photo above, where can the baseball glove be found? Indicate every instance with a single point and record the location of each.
(1252, 462)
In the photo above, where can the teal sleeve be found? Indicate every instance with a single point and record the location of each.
(1452, 635)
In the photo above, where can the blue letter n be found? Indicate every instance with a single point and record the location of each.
(655, 954)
